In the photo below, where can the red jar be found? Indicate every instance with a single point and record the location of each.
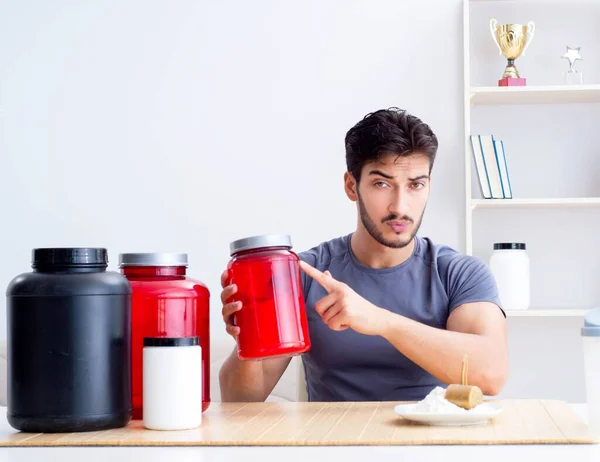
(165, 303)
(272, 319)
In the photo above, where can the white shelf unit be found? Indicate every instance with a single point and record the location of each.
(503, 96)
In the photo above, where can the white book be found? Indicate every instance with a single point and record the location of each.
(491, 166)
(484, 184)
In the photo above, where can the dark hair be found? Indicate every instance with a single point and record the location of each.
(388, 131)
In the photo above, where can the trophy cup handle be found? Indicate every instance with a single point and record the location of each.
(493, 24)
(530, 31)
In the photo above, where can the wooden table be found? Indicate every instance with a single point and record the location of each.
(291, 451)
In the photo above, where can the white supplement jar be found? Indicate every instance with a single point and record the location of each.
(510, 266)
(172, 383)
(590, 334)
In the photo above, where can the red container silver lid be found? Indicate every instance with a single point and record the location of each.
(153, 259)
(257, 242)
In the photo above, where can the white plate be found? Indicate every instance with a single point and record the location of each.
(459, 418)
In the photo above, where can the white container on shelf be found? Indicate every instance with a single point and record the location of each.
(510, 266)
(590, 334)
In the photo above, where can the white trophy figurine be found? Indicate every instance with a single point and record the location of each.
(573, 76)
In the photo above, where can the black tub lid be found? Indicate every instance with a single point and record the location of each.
(69, 256)
(171, 341)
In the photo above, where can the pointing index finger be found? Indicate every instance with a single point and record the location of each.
(326, 280)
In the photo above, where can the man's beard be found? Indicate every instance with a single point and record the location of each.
(372, 229)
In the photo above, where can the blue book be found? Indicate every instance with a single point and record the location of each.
(491, 165)
(503, 167)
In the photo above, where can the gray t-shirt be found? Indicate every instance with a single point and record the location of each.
(348, 366)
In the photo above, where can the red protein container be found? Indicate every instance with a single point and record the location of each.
(165, 303)
(272, 319)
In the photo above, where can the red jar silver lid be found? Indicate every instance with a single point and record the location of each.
(257, 242)
(153, 259)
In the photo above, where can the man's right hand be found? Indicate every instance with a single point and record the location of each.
(229, 307)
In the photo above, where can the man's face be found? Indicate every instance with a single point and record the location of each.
(392, 195)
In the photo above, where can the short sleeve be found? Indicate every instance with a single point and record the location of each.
(468, 279)
(310, 257)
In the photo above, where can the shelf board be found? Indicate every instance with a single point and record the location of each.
(543, 2)
(541, 202)
(558, 94)
(551, 313)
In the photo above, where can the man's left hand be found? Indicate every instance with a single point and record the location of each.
(342, 308)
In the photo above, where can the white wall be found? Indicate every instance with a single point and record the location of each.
(147, 126)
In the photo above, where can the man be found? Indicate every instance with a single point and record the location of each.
(391, 315)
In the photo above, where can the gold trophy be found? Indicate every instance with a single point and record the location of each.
(512, 41)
